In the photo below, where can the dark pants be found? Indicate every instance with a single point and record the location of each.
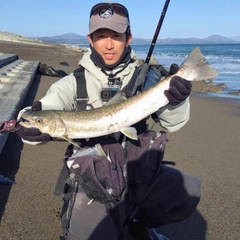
(170, 198)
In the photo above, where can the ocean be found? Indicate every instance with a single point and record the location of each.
(225, 58)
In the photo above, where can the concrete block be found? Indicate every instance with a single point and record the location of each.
(6, 58)
(15, 80)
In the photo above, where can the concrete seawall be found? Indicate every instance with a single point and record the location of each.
(16, 76)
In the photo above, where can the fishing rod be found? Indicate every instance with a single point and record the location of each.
(164, 11)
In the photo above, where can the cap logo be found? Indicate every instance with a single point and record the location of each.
(106, 13)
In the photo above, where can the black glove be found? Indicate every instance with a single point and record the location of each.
(33, 134)
(179, 89)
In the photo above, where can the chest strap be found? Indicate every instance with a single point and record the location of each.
(82, 96)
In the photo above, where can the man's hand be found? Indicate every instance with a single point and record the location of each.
(33, 134)
(179, 89)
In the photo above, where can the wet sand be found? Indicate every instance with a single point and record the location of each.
(207, 147)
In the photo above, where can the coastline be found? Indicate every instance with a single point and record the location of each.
(207, 147)
(219, 96)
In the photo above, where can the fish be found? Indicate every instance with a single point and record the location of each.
(120, 116)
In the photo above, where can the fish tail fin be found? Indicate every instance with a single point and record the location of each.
(202, 70)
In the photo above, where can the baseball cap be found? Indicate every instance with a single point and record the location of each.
(112, 16)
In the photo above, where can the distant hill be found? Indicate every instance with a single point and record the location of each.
(73, 38)
(68, 38)
(236, 38)
(213, 39)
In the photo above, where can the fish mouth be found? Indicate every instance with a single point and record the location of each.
(26, 123)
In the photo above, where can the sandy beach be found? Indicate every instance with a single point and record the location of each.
(207, 147)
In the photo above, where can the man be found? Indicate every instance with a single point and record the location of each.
(170, 196)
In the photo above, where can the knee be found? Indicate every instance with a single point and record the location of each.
(193, 195)
(193, 187)
(188, 201)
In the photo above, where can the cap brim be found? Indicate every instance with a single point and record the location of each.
(120, 28)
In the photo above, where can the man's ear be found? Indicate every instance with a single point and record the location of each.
(129, 40)
(90, 39)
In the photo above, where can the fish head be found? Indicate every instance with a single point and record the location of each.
(46, 121)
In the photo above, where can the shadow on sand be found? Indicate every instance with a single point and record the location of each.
(11, 153)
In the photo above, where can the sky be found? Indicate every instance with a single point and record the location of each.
(184, 18)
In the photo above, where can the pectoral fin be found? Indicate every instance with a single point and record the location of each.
(130, 132)
(70, 140)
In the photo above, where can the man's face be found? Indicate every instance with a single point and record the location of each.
(109, 44)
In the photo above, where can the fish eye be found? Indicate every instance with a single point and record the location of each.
(39, 120)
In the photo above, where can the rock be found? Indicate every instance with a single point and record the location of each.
(200, 86)
(215, 89)
(237, 93)
(64, 64)
(222, 85)
(50, 71)
(208, 86)
(153, 61)
(76, 48)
